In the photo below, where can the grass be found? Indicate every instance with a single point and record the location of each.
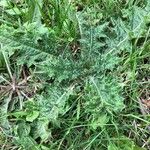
(74, 75)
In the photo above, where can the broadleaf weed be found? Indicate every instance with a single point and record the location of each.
(74, 74)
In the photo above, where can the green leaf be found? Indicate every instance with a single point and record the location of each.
(100, 122)
(23, 138)
(42, 130)
(27, 143)
(19, 114)
(4, 3)
(15, 11)
(2, 62)
(23, 129)
(32, 116)
(43, 147)
(124, 143)
(112, 147)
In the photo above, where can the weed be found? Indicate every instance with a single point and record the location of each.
(74, 74)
